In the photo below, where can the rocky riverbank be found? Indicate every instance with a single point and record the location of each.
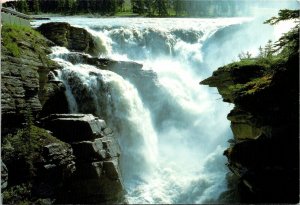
(44, 158)
(264, 153)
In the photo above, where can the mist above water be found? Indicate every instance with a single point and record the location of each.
(171, 130)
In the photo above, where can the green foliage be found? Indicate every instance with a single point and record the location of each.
(253, 86)
(11, 34)
(26, 145)
(22, 152)
(22, 6)
(12, 47)
(243, 55)
(36, 6)
(138, 6)
(283, 15)
(24, 149)
(20, 40)
(185, 8)
(160, 7)
(274, 54)
(19, 194)
(289, 42)
(269, 61)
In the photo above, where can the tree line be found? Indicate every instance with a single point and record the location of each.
(70, 7)
(163, 8)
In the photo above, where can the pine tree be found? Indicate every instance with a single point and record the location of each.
(138, 6)
(36, 6)
(161, 7)
(178, 7)
(149, 7)
(269, 49)
(22, 6)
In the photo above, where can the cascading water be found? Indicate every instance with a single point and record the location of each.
(172, 131)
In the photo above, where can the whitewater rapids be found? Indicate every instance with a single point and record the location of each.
(171, 130)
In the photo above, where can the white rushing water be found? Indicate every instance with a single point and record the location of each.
(171, 130)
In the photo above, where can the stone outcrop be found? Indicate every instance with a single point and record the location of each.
(25, 83)
(73, 38)
(97, 177)
(264, 153)
(44, 169)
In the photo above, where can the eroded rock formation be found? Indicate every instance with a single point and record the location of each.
(264, 153)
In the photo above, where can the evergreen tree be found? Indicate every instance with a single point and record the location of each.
(149, 7)
(22, 6)
(36, 6)
(138, 6)
(178, 7)
(120, 4)
(160, 6)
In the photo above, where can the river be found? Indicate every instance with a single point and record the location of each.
(171, 130)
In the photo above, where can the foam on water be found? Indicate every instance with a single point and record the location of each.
(171, 130)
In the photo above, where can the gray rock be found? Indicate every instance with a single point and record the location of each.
(73, 38)
(111, 146)
(75, 127)
(98, 182)
(59, 158)
(89, 151)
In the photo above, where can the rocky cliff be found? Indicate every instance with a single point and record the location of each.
(49, 157)
(26, 82)
(264, 153)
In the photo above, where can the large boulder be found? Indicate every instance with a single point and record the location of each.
(73, 38)
(98, 182)
(75, 127)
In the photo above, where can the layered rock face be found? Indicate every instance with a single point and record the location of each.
(97, 178)
(264, 153)
(25, 82)
(80, 162)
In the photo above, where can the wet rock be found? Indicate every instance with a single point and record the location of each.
(53, 94)
(111, 146)
(73, 38)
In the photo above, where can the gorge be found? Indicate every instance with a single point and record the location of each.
(142, 77)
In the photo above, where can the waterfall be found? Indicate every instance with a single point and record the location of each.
(171, 130)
